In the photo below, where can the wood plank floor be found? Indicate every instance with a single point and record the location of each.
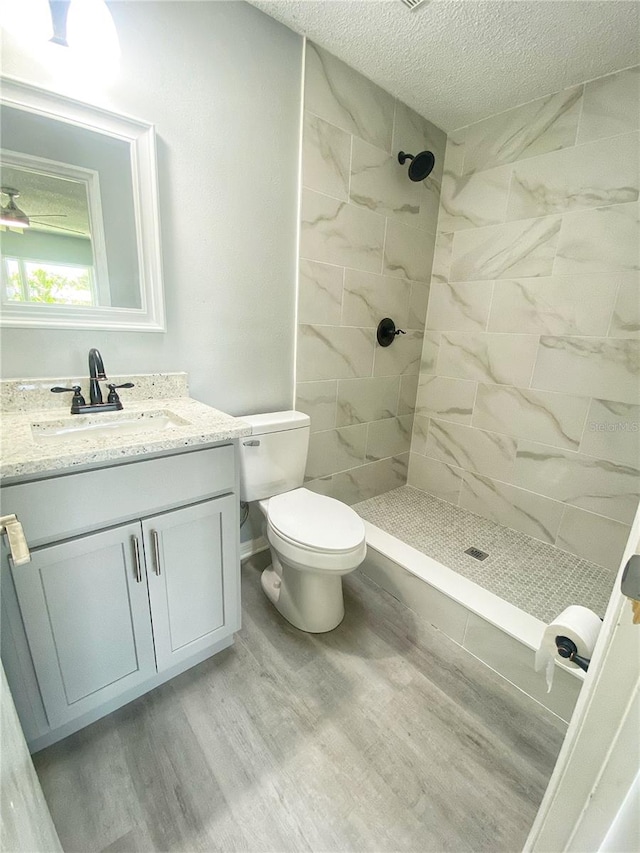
(382, 735)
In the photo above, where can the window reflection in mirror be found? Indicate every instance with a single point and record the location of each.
(39, 149)
(58, 256)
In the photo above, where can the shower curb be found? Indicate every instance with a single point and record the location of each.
(496, 632)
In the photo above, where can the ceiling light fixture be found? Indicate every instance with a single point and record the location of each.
(92, 37)
(413, 4)
(28, 21)
(11, 216)
(59, 12)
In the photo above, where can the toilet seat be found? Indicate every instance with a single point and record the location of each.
(315, 522)
(315, 532)
(311, 560)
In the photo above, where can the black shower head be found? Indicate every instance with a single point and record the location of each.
(421, 164)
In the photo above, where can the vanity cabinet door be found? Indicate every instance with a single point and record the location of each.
(193, 572)
(85, 608)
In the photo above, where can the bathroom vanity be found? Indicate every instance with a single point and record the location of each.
(134, 540)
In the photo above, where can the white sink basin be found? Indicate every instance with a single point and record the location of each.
(105, 425)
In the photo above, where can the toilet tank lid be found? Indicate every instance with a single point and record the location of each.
(276, 421)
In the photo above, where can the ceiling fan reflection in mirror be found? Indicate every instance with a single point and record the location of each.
(11, 216)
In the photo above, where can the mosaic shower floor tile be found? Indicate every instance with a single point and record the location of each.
(536, 577)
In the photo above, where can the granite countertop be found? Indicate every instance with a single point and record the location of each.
(31, 448)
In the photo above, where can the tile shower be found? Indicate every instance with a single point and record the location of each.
(514, 271)
(527, 406)
(366, 250)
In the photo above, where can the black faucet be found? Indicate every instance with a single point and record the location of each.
(96, 372)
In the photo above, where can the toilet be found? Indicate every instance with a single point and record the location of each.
(314, 540)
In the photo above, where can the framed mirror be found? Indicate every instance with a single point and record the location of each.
(80, 238)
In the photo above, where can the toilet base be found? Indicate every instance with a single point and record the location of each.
(311, 601)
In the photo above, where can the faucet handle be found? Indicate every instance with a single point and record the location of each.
(113, 394)
(77, 401)
(77, 393)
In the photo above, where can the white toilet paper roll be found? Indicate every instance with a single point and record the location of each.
(578, 624)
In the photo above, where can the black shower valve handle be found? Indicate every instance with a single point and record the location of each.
(386, 333)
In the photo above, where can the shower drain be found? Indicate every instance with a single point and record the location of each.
(476, 553)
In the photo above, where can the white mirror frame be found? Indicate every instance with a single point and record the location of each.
(140, 136)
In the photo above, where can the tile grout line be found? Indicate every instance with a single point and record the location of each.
(535, 364)
(613, 311)
(489, 312)
(559, 214)
(580, 115)
(562, 518)
(384, 245)
(584, 425)
(344, 278)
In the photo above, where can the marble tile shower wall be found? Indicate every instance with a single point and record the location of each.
(366, 251)
(528, 400)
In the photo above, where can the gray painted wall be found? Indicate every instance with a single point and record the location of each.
(221, 82)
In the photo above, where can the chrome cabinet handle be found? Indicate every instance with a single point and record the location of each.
(156, 550)
(136, 559)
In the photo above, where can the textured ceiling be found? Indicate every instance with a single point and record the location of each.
(458, 61)
(52, 204)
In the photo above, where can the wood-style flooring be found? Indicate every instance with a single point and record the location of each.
(382, 735)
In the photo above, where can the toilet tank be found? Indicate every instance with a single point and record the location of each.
(274, 456)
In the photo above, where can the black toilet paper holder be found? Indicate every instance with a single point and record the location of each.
(567, 649)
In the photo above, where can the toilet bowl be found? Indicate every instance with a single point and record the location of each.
(314, 539)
